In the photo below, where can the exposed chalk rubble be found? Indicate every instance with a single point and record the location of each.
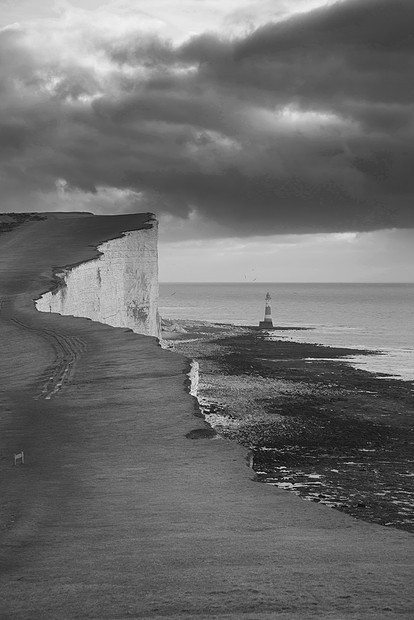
(120, 288)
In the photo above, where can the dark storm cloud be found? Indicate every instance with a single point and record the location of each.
(357, 48)
(377, 25)
(305, 125)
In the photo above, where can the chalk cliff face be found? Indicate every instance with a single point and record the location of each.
(119, 288)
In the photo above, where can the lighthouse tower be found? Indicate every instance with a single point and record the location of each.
(267, 322)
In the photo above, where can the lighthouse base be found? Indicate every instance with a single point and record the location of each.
(265, 324)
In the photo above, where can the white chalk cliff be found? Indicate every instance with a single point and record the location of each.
(120, 288)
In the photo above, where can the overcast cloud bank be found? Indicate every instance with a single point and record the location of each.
(302, 125)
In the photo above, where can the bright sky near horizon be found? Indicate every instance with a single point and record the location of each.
(273, 138)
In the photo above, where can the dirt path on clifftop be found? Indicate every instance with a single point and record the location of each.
(116, 514)
(64, 349)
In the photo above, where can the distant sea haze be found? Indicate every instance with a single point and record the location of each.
(365, 316)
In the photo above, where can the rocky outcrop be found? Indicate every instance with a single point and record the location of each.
(120, 288)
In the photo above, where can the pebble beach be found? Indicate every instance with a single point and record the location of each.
(314, 425)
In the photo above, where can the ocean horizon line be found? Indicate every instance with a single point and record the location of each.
(284, 283)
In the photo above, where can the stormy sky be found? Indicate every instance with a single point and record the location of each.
(271, 137)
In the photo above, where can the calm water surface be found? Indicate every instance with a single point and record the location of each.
(370, 316)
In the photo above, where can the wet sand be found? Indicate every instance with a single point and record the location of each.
(119, 512)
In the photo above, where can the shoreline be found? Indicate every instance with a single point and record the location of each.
(315, 426)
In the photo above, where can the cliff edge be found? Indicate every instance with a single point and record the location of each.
(119, 288)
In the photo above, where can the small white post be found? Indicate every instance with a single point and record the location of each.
(18, 457)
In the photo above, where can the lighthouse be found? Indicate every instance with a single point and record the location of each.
(267, 322)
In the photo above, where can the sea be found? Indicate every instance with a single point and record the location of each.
(378, 317)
